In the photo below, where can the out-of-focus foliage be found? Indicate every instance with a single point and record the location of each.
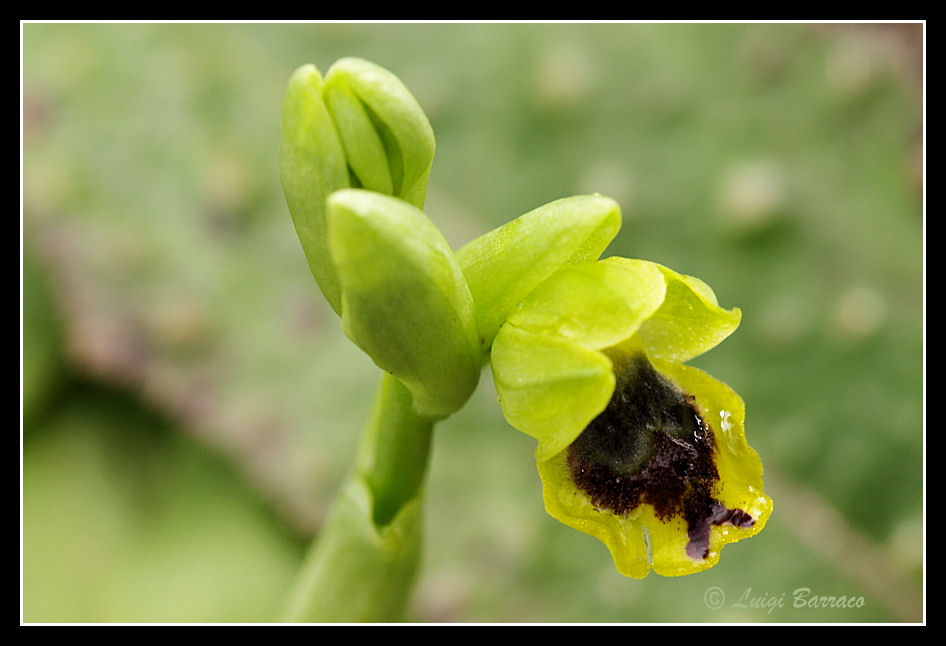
(127, 520)
(781, 163)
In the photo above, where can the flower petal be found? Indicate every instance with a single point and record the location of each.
(505, 264)
(690, 320)
(740, 468)
(624, 536)
(596, 305)
(550, 379)
(676, 547)
(739, 487)
(549, 387)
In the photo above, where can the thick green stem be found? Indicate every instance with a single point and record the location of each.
(362, 565)
(392, 456)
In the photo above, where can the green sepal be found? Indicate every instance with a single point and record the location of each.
(311, 166)
(596, 305)
(387, 138)
(690, 320)
(505, 264)
(405, 302)
(549, 387)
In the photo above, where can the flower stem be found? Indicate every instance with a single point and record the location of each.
(362, 565)
(392, 457)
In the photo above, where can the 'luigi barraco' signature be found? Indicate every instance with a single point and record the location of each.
(800, 598)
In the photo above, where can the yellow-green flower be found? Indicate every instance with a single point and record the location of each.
(635, 448)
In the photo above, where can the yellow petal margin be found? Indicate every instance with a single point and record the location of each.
(640, 541)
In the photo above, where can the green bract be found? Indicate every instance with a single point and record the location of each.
(634, 448)
(404, 300)
(360, 127)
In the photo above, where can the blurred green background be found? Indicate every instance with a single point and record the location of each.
(190, 404)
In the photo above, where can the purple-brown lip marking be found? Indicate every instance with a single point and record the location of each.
(651, 446)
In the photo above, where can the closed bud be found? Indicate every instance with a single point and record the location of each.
(358, 127)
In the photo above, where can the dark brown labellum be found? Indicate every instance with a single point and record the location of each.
(651, 446)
